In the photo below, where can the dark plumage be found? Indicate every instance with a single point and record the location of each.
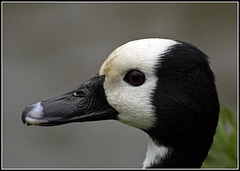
(187, 106)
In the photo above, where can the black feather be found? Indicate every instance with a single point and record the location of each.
(187, 106)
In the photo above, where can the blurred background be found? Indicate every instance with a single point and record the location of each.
(50, 48)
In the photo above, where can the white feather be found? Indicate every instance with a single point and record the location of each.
(154, 154)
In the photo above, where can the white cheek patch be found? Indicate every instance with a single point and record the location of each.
(134, 103)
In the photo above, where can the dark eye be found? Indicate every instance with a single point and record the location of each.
(135, 78)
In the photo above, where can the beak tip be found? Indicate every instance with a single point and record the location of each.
(24, 114)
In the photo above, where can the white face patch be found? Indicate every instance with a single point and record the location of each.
(134, 102)
(154, 154)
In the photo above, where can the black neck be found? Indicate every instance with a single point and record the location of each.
(186, 150)
(186, 106)
(179, 159)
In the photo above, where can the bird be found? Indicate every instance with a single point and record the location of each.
(164, 87)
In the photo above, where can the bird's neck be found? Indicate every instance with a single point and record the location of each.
(159, 156)
(155, 154)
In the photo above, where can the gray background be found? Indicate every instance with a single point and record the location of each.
(52, 48)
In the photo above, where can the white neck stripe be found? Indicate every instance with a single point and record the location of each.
(154, 154)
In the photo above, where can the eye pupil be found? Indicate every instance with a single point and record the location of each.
(135, 77)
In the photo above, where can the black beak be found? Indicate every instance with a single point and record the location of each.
(86, 103)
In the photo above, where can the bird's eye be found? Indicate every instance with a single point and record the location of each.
(135, 78)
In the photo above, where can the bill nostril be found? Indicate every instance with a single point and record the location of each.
(80, 93)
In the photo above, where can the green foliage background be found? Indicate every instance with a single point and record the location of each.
(223, 153)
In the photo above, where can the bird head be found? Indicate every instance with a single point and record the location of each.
(163, 87)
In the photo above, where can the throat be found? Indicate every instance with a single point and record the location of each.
(160, 156)
(155, 155)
